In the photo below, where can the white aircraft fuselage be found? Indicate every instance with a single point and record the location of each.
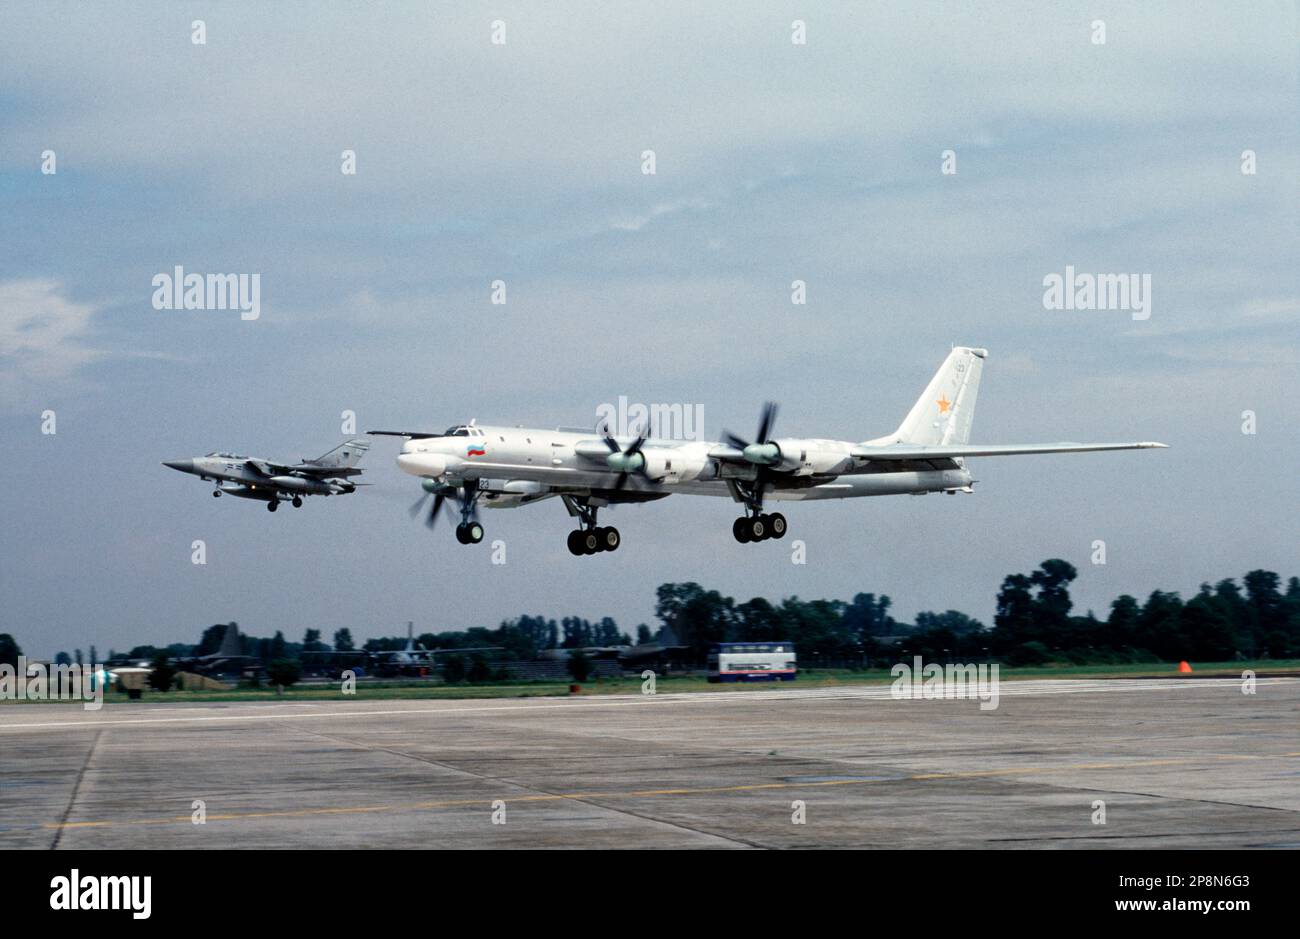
(524, 461)
(503, 467)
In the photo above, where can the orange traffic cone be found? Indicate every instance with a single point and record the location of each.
(1184, 668)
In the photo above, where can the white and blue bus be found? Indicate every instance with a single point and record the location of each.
(751, 661)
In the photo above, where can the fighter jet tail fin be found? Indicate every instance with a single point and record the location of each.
(345, 456)
(944, 412)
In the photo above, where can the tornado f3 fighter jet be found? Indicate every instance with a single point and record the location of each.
(252, 478)
(503, 467)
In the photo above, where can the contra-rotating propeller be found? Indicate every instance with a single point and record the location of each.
(440, 496)
(626, 462)
(762, 452)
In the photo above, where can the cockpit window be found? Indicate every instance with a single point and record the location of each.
(460, 430)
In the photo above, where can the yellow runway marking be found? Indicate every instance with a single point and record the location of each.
(654, 793)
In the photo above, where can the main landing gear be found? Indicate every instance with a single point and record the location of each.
(591, 538)
(594, 540)
(758, 527)
(755, 524)
(272, 505)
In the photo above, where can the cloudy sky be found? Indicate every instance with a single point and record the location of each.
(522, 162)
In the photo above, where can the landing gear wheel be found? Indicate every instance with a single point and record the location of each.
(273, 505)
(777, 523)
(757, 528)
(216, 493)
(469, 532)
(297, 502)
(575, 543)
(740, 529)
(609, 539)
(590, 542)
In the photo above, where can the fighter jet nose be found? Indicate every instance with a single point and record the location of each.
(185, 466)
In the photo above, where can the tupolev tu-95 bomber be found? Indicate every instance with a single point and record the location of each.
(248, 477)
(504, 467)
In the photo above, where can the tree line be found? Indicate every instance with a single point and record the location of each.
(1034, 623)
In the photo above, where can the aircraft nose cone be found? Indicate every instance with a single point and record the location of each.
(185, 466)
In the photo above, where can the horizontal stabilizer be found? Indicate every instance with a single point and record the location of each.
(907, 451)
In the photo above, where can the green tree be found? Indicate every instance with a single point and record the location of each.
(695, 616)
(580, 667)
(343, 640)
(311, 641)
(957, 623)
(1120, 631)
(758, 621)
(162, 673)
(453, 669)
(479, 670)
(9, 650)
(1206, 632)
(867, 616)
(1160, 626)
(283, 672)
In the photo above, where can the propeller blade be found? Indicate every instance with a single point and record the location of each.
(636, 445)
(765, 423)
(609, 440)
(620, 482)
(740, 443)
(432, 519)
(418, 504)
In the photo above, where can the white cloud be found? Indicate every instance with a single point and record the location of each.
(42, 337)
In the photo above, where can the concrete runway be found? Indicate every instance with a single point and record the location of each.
(1179, 763)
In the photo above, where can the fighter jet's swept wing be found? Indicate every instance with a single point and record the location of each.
(908, 451)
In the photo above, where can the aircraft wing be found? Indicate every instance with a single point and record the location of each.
(264, 467)
(905, 451)
(413, 434)
(310, 469)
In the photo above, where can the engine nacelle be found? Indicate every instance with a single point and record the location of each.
(804, 457)
(679, 465)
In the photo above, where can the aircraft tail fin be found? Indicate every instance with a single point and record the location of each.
(944, 412)
(345, 456)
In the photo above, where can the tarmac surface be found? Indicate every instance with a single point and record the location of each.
(1178, 763)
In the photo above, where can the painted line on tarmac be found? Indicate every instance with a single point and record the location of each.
(656, 793)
